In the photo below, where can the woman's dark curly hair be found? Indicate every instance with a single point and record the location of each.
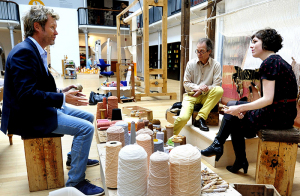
(271, 40)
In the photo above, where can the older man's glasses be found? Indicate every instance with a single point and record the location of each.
(200, 51)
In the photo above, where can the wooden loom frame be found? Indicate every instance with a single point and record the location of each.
(150, 82)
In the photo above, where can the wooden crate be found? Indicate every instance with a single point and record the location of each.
(212, 119)
(276, 165)
(169, 117)
(144, 111)
(256, 189)
(44, 163)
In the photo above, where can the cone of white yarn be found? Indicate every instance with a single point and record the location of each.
(185, 170)
(149, 132)
(124, 125)
(159, 176)
(144, 140)
(132, 172)
(111, 163)
(115, 133)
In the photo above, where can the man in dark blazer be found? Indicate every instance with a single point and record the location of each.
(32, 104)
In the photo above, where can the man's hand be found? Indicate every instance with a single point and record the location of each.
(68, 88)
(73, 98)
(197, 92)
(203, 88)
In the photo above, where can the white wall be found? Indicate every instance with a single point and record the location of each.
(5, 39)
(66, 42)
(53, 3)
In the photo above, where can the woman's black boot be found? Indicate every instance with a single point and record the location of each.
(216, 148)
(239, 164)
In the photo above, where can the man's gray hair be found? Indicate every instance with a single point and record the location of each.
(209, 45)
(37, 13)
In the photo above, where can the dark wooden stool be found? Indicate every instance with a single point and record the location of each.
(276, 158)
(44, 162)
(213, 117)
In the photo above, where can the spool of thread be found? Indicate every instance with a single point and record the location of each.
(149, 132)
(158, 145)
(170, 130)
(156, 126)
(116, 114)
(160, 136)
(124, 125)
(132, 133)
(115, 133)
(144, 140)
(182, 137)
(154, 134)
(159, 175)
(102, 113)
(158, 129)
(176, 141)
(150, 126)
(140, 125)
(111, 164)
(132, 171)
(105, 105)
(185, 170)
(112, 103)
(98, 113)
(103, 124)
(146, 122)
(165, 135)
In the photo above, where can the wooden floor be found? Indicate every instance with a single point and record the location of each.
(13, 175)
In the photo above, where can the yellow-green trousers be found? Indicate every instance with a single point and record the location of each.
(208, 101)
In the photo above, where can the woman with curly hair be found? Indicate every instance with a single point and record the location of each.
(276, 109)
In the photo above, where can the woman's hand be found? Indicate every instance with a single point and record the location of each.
(235, 111)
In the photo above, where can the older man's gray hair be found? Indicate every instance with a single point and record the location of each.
(38, 14)
(209, 45)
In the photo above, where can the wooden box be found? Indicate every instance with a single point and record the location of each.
(144, 112)
(256, 189)
(44, 163)
(212, 119)
(169, 116)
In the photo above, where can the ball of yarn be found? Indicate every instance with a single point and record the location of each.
(159, 176)
(160, 135)
(144, 140)
(156, 122)
(132, 171)
(140, 125)
(150, 126)
(158, 145)
(185, 170)
(149, 132)
(146, 122)
(124, 125)
(111, 163)
(79, 87)
(115, 133)
(112, 103)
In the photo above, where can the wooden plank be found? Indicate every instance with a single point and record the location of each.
(156, 82)
(268, 160)
(258, 159)
(159, 3)
(173, 96)
(132, 81)
(286, 168)
(155, 71)
(35, 163)
(128, 7)
(185, 41)
(164, 45)
(54, 162)
(118, 83)
(119, 55)
(146, 45)
(211, 24)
